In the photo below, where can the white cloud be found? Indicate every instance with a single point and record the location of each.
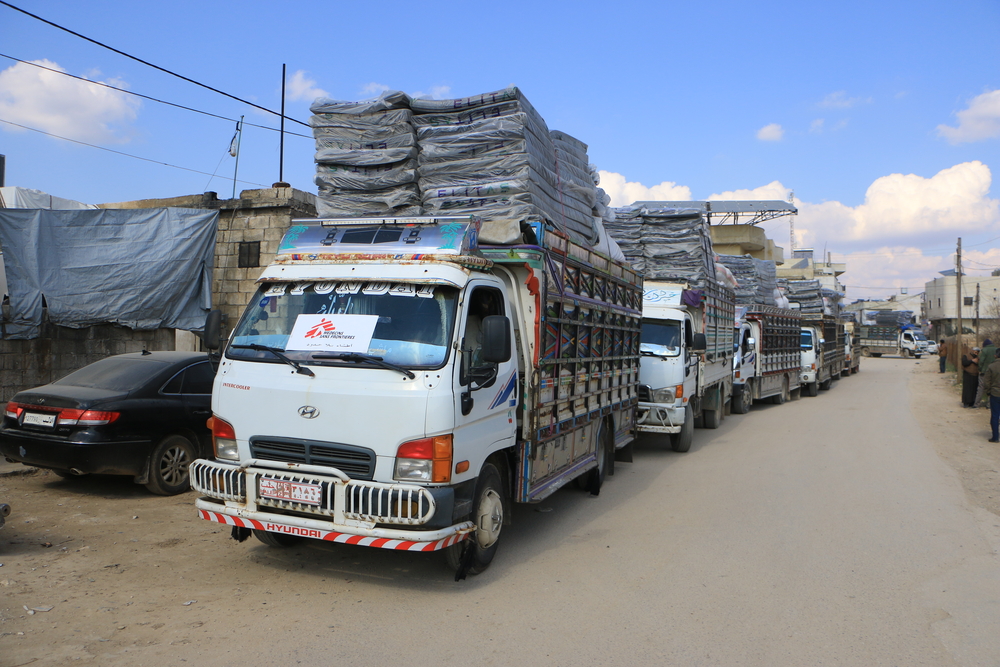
(436, 93)
(981, 120)
(817, 125)
(772, 132)
(301, 87)
(374, 89)
(65, 106)
(879, 239)
(840, 100)
(623, 193)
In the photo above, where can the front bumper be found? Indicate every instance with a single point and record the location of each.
(388, 516)
(659, 417)
(102, 458)
(807, 377)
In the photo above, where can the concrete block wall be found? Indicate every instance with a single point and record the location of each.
(60, 350)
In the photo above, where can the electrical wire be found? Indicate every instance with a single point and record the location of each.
(148, 64)
(145, 97)
(137, 157)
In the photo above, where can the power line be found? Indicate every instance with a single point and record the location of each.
(145, 97)
(144, 62)
(137, 157)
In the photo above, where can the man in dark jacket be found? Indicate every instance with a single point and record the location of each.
(991, 384)
(942, 356)
(986, 357)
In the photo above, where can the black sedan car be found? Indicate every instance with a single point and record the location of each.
(140, 414)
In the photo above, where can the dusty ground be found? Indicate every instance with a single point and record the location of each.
(959, 434)
(97, 570)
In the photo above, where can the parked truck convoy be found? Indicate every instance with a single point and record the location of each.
(904, 340)
(822, 345)
(686, 373)
(768, 357)
(394, 384)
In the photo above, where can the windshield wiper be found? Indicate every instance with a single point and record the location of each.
(278, 353)
(367, 358)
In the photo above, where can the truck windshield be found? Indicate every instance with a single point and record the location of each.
(807, 340)
(660, 338)
(404, 324)
(919, 336)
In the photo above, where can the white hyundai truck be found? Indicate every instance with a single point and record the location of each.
(394, 384)
(686, 376)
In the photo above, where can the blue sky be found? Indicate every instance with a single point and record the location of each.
(882, 117)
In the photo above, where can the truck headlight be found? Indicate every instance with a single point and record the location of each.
(668, 394)
(424, 460)
(223, 439)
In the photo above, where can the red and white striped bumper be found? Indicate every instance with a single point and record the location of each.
(333, 536)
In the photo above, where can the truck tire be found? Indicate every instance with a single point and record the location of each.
(811, 389)
(278, 540)
(826, 384)
(905, 353)
(916, 356)
(595, 478)
(876, 354)
(681, 442)
(474, 554)
(713, 418)
(865, 352)
(742, 400)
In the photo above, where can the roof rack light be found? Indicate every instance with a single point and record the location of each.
(369, 222)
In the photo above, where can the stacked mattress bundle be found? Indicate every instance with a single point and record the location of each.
(806, 293)
(756, 278)
(366, 157)
(666, 244)
(492, 155)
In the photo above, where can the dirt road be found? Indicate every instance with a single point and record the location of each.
(860, 527)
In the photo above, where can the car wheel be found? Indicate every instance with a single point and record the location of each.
(168, 466)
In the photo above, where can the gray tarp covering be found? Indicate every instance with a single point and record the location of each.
(143, 269)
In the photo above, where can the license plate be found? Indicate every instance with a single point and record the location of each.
(279, 489)
(40, 419)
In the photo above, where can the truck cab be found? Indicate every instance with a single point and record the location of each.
(811, 346)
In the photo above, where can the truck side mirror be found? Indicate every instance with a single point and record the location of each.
(211, 335)
(496, 339)
(751, 341)
(699, 343)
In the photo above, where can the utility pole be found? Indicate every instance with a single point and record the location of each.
(958, 304)
(977, 313)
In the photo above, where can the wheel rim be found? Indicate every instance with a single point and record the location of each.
(174, 466)
(490, 519)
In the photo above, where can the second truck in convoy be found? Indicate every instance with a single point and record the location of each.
(822, 352)
(768, 356)
(686, 369)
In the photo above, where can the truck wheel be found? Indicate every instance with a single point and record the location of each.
(876, 354)
(742, 400)
(905, 353)
(168, 466)
(278, 540)
(812, 389)
(595, 478)
(865, 352)
(474, 554)
(916, 356)
(825, 384)
(681, 442)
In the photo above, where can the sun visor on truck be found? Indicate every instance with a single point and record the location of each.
(354, 240)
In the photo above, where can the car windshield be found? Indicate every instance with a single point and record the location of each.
(402, 323)
(807, 340)
(114, 374)
(661, 338)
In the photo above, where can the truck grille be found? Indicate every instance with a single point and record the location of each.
(355, 462)
(645, 393)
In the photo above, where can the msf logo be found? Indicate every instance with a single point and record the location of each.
(308, 412)
(323, 327)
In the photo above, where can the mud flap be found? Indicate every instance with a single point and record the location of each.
(240, 534)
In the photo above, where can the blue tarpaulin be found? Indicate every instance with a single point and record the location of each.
(144, 268)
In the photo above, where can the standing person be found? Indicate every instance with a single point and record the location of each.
(991, 383)
(970, 378)
(942, 356)
(986, 357)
